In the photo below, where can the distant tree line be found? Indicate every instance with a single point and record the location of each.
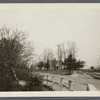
(66, 59)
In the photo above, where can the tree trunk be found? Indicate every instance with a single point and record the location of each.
(15, 76)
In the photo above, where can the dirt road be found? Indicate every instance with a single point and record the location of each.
(81, 78)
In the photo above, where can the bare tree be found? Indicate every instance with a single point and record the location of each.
(60, 55)
(64, 51)
(15, 51)
(70, 60)
(48, 56)
(98, 63)
(71, 49)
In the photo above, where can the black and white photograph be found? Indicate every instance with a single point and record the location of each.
(49, 48)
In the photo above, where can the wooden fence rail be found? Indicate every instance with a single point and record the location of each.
(62, 84)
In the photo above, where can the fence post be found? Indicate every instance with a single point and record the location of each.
(90, 87)
(52, 81)
(61, 84)
(70, 85)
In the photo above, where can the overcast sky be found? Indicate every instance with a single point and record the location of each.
(51, 24)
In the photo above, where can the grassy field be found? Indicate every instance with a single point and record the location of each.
(57, 72)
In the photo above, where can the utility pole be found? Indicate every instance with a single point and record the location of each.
(97, 64)
(99, 60)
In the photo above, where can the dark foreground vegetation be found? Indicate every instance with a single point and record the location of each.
(28, 83)
(16, 54)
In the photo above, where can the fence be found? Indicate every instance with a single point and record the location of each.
(66, 83)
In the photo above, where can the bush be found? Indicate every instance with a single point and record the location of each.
(6, 80)
(35, 83)
(23, 73)
(92, 68)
